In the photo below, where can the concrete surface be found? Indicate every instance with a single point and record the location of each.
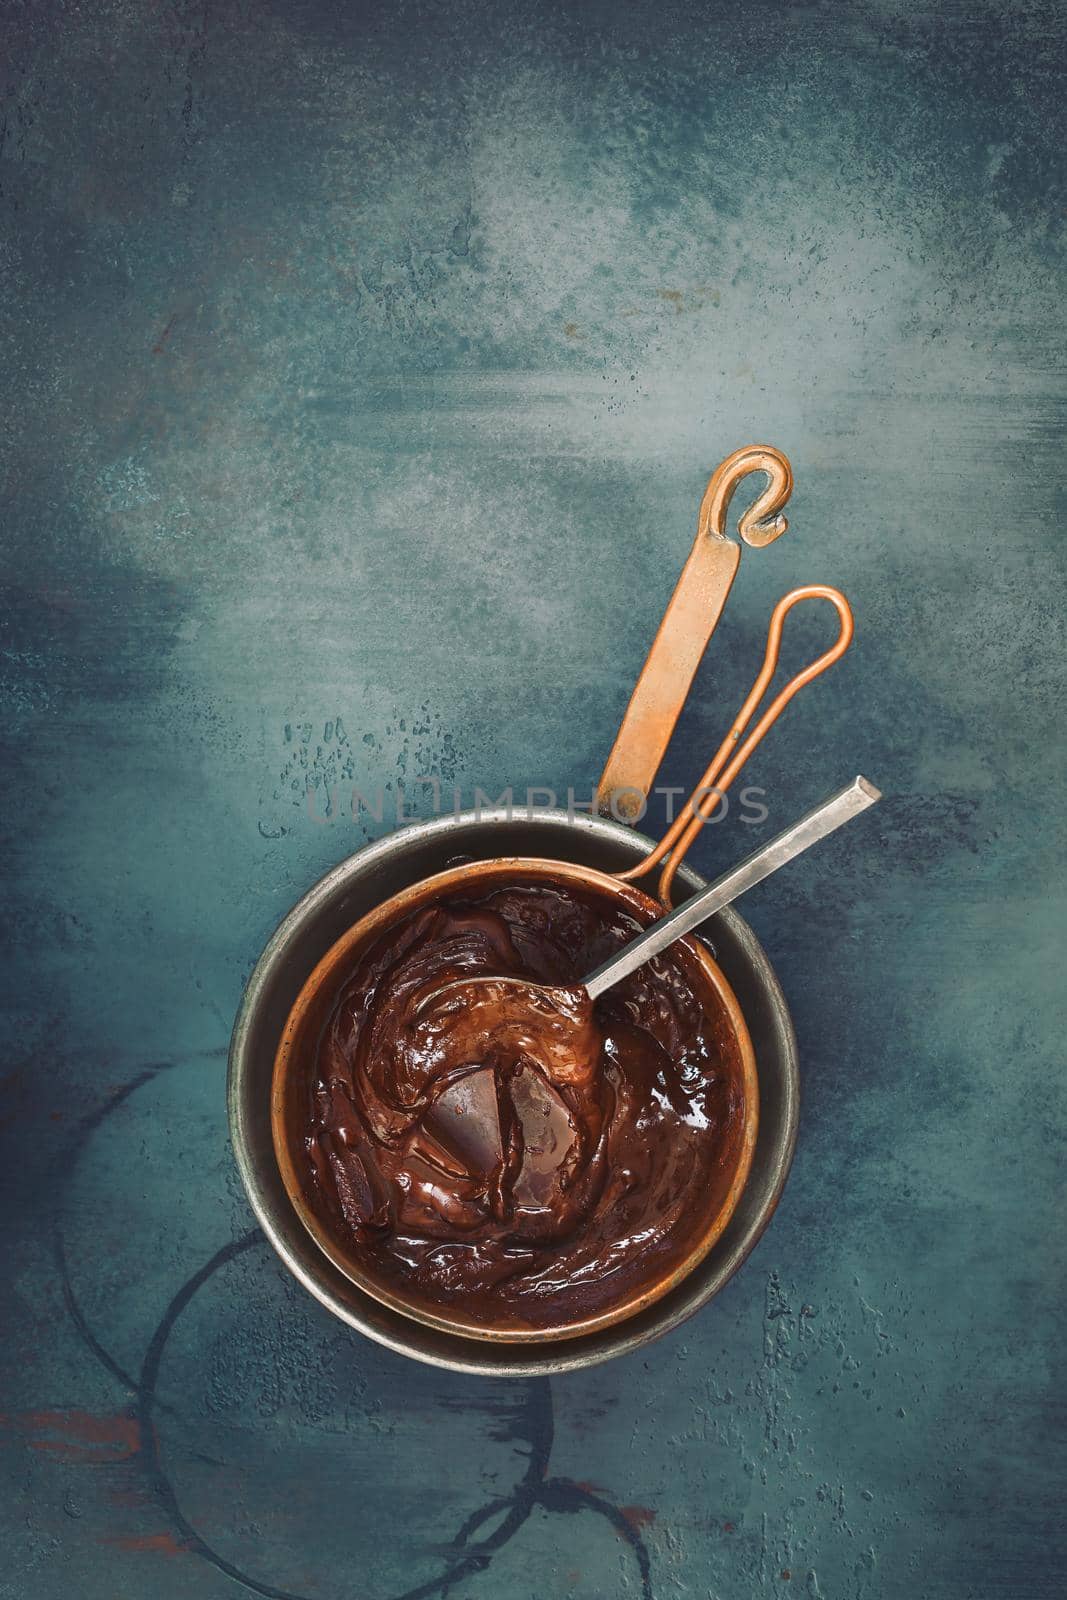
(364, 367)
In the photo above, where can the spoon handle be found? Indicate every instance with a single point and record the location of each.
(810, 828)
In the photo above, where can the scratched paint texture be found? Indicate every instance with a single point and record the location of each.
(363, 369)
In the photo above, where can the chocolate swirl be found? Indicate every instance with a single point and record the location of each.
(481, 1143)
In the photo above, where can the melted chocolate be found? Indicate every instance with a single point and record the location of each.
(516, 1154)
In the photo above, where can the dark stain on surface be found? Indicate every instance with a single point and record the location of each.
(161, 343)
(638, 1516)
(164, 1544)
(79, 1437)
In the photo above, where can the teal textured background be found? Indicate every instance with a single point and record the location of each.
(364, 367)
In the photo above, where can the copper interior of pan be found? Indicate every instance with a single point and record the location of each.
(295, 1059)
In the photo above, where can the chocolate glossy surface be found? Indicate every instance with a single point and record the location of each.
(519, 1155)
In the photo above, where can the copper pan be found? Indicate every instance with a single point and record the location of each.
(308, 1015)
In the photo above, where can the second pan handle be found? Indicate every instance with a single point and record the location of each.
(688, 624)
(735, 749)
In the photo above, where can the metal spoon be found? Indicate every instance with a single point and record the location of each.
(813, 826)
(465, 1117)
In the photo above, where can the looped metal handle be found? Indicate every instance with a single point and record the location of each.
(763, 522)
(688, 623)
(731, 756)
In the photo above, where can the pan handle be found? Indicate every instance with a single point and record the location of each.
(730, 756)
(688, 624)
